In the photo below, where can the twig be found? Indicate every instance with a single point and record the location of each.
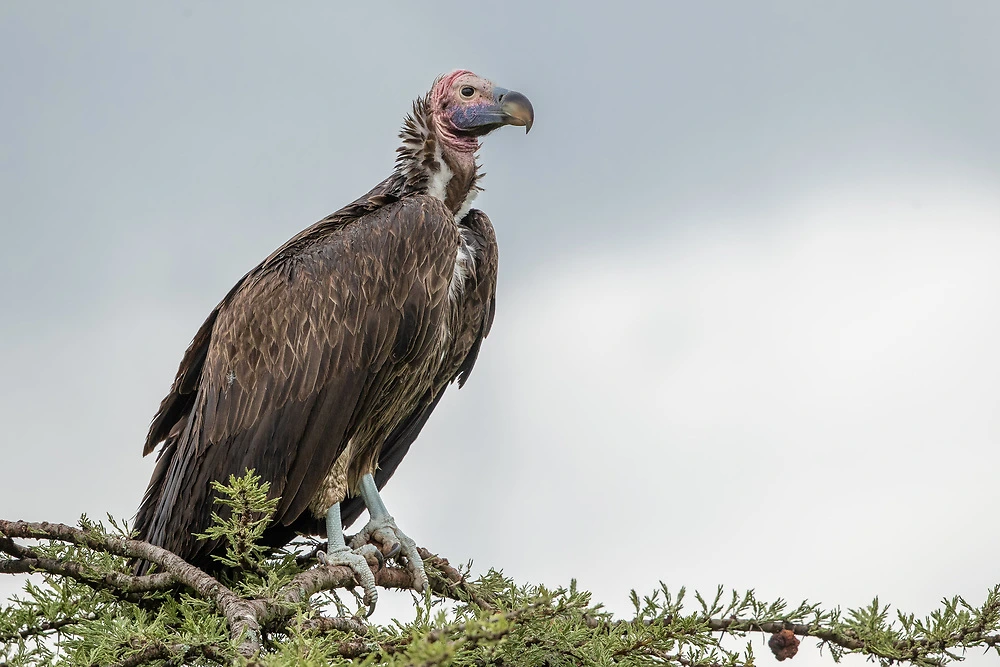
(848, 641)
(453, 585)
(46, 627)
(844, 640)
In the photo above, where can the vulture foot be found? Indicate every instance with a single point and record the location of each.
(338, 553)
(388, 538)
(359, 565)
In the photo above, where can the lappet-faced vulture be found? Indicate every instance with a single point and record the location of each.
(322, 364)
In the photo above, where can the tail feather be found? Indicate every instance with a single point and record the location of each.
(146, 524)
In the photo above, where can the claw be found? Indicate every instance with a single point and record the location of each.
(367, 550)
(396, 548)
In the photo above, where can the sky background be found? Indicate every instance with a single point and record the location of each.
(747, 315)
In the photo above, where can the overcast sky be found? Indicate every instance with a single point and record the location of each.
(747, 316)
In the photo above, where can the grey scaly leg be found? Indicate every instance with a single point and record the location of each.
(382, 527)
(338, 553)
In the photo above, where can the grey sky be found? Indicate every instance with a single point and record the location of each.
(747, 318)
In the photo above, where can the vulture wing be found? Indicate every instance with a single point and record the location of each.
(280, 371)
(476, 310)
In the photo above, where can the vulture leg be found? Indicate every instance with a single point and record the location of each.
(338, 553)
(383, 529)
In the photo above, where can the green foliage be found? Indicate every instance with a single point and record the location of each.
(90, 619)
(248, 518)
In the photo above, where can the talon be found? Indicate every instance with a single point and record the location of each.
(370, 598)
(394, 551)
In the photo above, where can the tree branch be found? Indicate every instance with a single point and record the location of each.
(242, 615)
(116, 581)
(157, 650)
(276, 604)
(964, 637)
(848, 640)
(452, 583)
(45, 628)
(245, 617)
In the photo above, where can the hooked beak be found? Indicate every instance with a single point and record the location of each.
(515, 108)
(508, 107)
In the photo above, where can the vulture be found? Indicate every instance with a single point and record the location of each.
(322, 364)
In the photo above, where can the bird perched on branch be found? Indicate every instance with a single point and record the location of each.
(323, 363)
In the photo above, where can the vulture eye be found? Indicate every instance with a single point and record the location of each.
(468, 91)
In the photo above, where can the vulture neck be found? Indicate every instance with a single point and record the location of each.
(436, 162)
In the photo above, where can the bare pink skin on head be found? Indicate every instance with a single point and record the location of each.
(441, 137)
(446, 96)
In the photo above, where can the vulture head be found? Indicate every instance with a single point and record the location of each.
(466, 106)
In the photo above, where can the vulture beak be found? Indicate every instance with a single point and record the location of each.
(507, 107)
(515, 108)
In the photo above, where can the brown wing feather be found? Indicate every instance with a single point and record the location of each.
(474, 315)
(290, 361)
(178, 402)
(481, 298)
